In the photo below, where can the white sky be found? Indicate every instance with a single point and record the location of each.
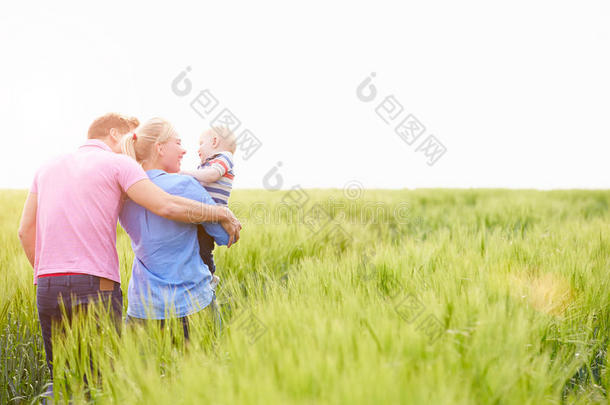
(517, 91)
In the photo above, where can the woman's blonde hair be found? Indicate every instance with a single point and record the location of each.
(140, 144)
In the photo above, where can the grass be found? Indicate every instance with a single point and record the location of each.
(427, 296)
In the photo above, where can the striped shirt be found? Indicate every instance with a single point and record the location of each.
(220, 190)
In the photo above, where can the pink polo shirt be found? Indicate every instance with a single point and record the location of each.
(79, 198)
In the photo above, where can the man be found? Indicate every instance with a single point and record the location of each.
(68, 226)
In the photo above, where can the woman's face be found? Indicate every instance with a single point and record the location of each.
(170, 155)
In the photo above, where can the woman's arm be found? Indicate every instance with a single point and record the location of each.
(27, 227)
(220, 236)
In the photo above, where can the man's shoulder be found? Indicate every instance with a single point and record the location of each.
(121, 159)
(123, 164)
(56, 161)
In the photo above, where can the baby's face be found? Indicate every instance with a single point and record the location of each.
(205, 146)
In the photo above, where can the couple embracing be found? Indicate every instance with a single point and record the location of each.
(129, 171)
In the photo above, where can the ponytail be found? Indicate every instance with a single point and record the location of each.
(128, 145)
(139, 145)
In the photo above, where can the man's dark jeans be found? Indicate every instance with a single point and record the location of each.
(76, 292)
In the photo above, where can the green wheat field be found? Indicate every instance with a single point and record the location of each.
(386, 297)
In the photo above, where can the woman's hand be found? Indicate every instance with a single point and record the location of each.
(231, 224)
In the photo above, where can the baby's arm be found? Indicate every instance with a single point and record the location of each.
(205, 175)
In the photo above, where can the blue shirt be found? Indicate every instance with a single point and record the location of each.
(168, 276)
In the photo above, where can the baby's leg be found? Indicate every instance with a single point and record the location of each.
(206, 248)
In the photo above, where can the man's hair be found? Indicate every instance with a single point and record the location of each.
(100, 128)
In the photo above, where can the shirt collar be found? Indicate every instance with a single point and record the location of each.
(96, 143)
(152, 173)
(215, 155)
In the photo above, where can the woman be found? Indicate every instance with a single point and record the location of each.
(168, 279)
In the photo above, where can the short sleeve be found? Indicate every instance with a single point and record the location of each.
(129, 172)
(222, 162)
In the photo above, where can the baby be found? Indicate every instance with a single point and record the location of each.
(215, 173)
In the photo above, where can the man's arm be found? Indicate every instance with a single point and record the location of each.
(27, 227)
(205, 175)
(194, 191)
(153, 198)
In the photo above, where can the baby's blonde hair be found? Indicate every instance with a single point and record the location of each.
(140, 144)
(227, 138)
